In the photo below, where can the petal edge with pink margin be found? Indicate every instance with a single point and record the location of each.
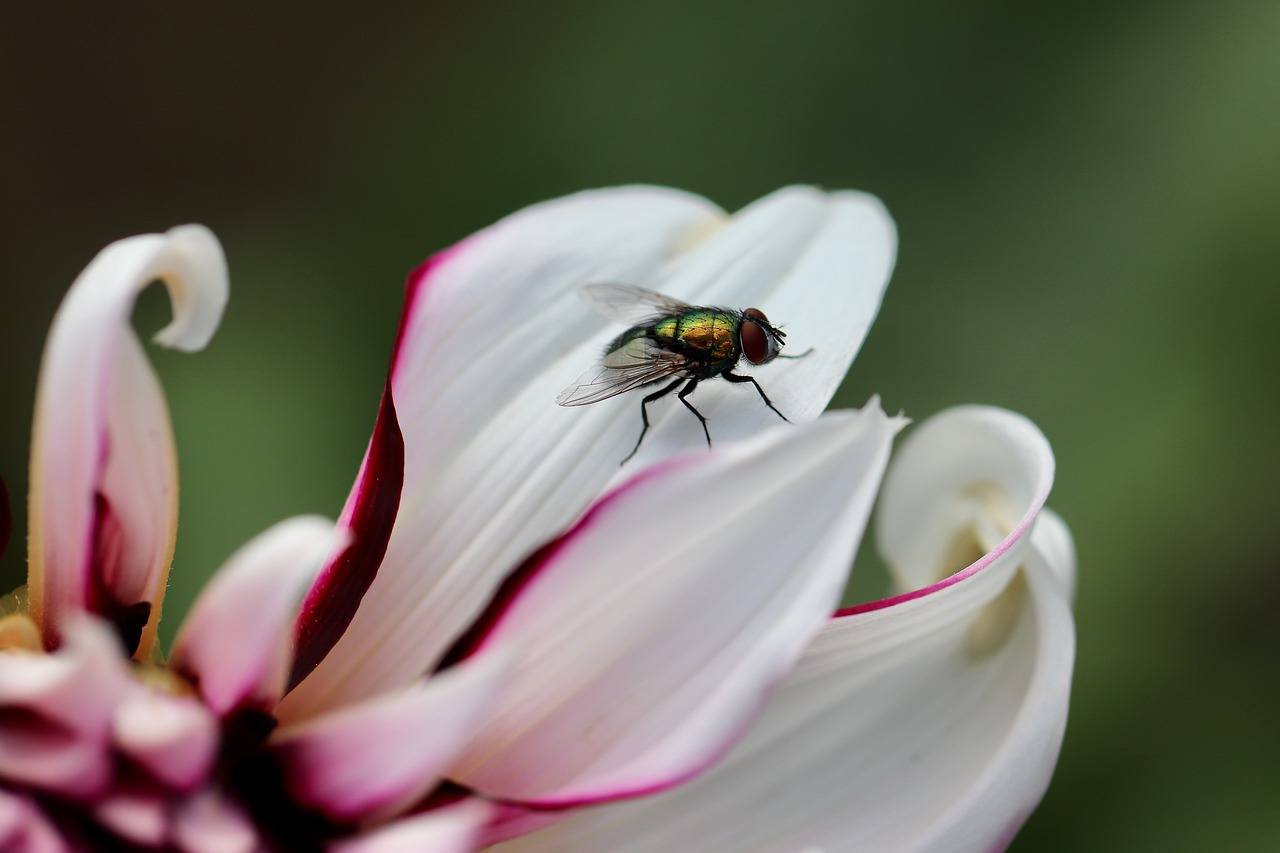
(813, 730)
(633, 620)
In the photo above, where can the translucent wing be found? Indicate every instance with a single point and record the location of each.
(637, 362)
(629, 304)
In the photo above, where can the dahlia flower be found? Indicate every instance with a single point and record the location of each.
(507, 639)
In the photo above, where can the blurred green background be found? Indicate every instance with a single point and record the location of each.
(1089, 208)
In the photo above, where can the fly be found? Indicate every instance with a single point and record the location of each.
(670, 339)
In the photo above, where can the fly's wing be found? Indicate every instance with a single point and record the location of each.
(637, 362)
(629, 304)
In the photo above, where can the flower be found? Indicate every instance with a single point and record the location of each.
(505, 636)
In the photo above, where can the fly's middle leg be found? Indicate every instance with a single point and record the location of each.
(644, 413)
(684, 398)
(733, 377)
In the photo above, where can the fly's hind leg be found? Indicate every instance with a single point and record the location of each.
(684, 398)
(733, 377)
(644, 414)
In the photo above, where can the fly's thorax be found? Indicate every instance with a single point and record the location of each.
(712, 335)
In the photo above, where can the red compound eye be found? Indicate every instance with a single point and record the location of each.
(755, 342)
(755, 314)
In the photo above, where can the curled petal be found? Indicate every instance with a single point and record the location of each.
(172, 737)
(237, 642)
(103, 508)
(898, 731)
(646, 639)
(57, 711)
(370, 761)
(493, 468)
(451, 829)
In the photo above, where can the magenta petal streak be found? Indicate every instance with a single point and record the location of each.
(369, 515)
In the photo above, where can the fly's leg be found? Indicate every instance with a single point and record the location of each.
(684, 398)
(644, 413)
(733, 377)
(801, 355)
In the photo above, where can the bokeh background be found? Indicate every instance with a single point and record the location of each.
(1089, 208)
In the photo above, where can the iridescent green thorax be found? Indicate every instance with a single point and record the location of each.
(711, 334)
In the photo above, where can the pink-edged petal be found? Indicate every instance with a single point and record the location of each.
(910, 725)
(103, 506)
(493, 467)
(370, 761)
(451, 829)
(57, 711)
(646, 639)
(237, 641)
(173, 738)
(210, 823)
(25, 829)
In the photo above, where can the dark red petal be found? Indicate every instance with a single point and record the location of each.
(331, 603)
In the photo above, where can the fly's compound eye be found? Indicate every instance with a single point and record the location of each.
(757, 346)
(755, 314)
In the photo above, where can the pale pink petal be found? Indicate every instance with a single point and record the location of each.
(57, 711)
(103, 506)
(369, 761)
(173, 738)
(450, 829)
(646, 639)
(210, 823)
(24, 827)
(237, 642)
(493, 467)
(925, 723)
(135, 814)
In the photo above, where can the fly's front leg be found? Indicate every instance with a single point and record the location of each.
(684, 395)
(644, 414)
(733, 377)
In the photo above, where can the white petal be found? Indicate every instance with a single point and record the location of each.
(237, 641)
(646, 639)
(451, 829)
(59, 709)
(103, 506)
(898, 731)
(495, 329)
(173, 737)
(370, 761)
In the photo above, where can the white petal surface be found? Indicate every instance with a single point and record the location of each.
(370, 761)
(646, 639)
(58, 711)
(452, 829)
(103, 506)
(897, 731)
(496, 329)
(236, 642)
